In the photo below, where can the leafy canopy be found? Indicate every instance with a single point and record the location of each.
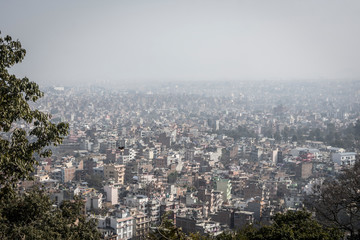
(337, 201)
(30, 215)
(287, 226)
(18, 145)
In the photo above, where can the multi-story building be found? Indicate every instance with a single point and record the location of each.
(304, 170)
(93, 201)
(64, 174)
(153, 210)
(121, 224)
(224, 185)
(142, 226)
(204, 227)
(111, 194)
(137, 201)
(115, 172)
(344, 159)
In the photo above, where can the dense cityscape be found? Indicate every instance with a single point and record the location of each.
(213, 157)
(179, 120)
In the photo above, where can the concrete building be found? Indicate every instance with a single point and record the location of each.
(224, 185)
(112, 194)
(115, 172)
(242, 219)
(67, 174)
(304, 170)
(137, 201)
(204, 227)
(344, 159)
(93, 201)
(153, 210)
(121, 225)
(141, 226)
(274, 156)
(190, 198)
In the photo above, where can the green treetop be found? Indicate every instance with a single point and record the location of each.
(17, 145)
(30, 215)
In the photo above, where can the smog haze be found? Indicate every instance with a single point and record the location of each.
(117, 42)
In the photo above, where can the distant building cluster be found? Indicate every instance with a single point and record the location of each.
(214, 158)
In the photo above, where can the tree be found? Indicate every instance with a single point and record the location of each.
(295, 225)
(30, 215)
(172, 177)
(94, 181)
(288, 226)
(291, 225)
(357, 130)
(337, 201)
(18, 146)
(167, 230)
(277, 136)
(285, 133)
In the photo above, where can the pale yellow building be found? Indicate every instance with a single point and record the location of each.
(115, 172)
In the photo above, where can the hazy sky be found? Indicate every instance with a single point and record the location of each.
(101, 41)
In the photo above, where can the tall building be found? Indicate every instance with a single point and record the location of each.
(224, 185)
(111, 194)
(165, 140)
(304, 170)
(142, 226)
(234, 151)
(67, 174)
(255, 154)
(121, 224)
(115, 172)
(344, 159)
(275, 156)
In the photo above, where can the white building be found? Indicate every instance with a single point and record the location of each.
(93, 201)
(344, 159)
(111, 194)
(274, 156)
(138, 201)
(121, 224)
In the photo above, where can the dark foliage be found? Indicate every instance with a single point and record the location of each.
(30, 215)
(337, 201)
